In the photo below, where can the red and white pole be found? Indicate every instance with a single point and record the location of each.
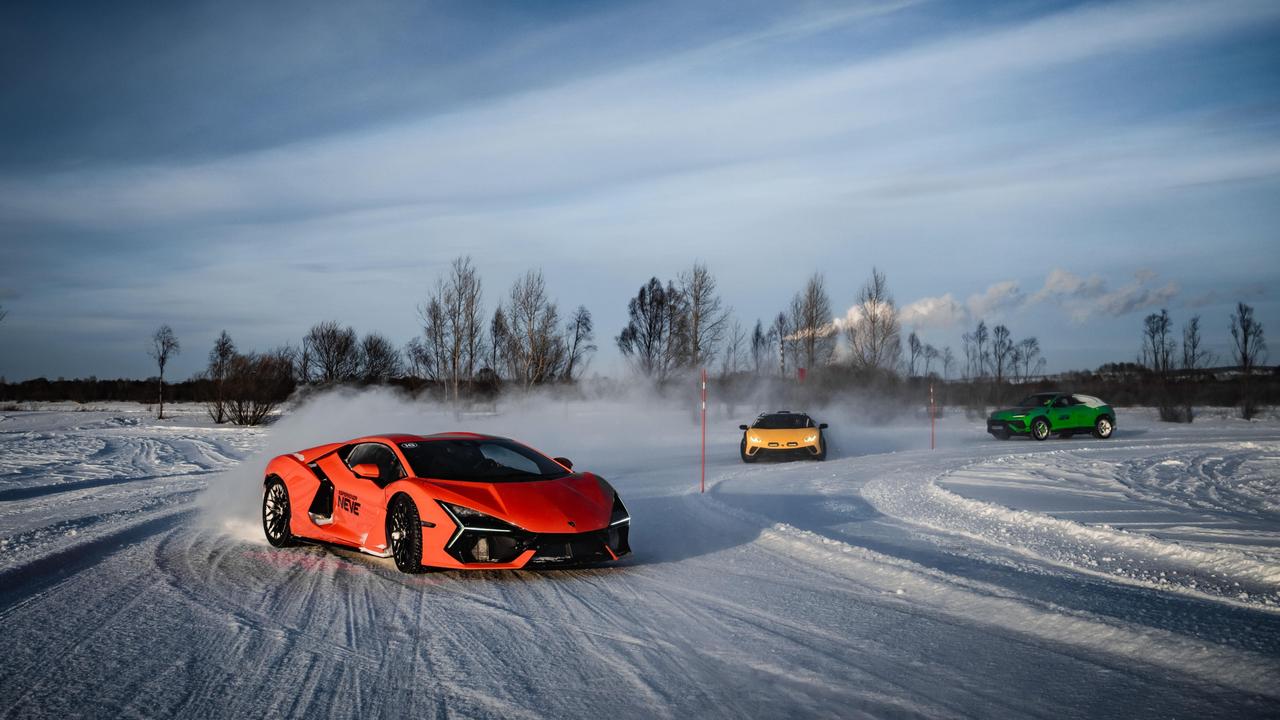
(703, 485)
(933, 414)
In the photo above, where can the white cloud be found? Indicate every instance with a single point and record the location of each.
(1064, 283)
(996, 300)
(665, 119)
(1087, 298)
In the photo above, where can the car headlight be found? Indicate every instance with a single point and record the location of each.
(469, 519)
(811, 438)
(755, 439)
(619, 514)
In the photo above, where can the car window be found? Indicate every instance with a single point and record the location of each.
(781, 421)
(1061, 402)
(377, 454)
(480, 459)
(509, 458)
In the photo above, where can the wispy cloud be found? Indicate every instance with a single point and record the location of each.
(1086, 298)
(989, 136)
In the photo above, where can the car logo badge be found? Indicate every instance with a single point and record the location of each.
(572, 524)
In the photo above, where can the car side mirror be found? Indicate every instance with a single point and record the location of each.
(564, 461)
(742, 427)
(822, 426)
(367, 471)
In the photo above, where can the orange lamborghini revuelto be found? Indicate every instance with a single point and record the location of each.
(453, 500)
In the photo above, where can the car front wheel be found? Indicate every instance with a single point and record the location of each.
(404, 534)
(742, 450)
(1103, 428)
(822, 449)
(275, 514)
(1040, 429)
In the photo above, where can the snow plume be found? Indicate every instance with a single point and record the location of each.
(601, 435)
(941, 312)
(1084, 298)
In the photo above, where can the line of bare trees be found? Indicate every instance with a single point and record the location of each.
(992, 353)
(525, 341)
(672, 327)
(676, 327)
(1160, 353)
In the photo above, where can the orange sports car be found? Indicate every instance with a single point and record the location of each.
(453, 500)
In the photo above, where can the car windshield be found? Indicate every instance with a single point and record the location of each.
(1037, 400)
(783, 421)
(479, 460)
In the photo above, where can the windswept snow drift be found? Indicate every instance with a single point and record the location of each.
(1134, 577)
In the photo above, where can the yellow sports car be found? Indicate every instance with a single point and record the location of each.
(783, 432)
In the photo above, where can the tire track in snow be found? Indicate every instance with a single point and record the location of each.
(1221, 575)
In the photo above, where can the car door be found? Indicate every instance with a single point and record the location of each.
(1082, 413)
(359, 499)
(1060, 413)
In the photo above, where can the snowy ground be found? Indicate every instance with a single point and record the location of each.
(1134, 577)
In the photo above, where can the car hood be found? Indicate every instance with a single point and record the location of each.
(574, 503)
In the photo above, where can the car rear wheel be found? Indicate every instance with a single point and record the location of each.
(742, 450)
(275, 514)
(1040, 429)
(1103, 428)
(404, 533)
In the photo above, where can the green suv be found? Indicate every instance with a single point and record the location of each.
(1043, 413)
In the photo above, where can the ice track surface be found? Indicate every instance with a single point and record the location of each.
(1135, 577)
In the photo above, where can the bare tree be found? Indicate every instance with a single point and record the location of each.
(580, 333)
(1002, 350)
(499, 337)
(980, 337)
(219, 365)
(874, 335)
(1249, 348)
(931, 355)
(535, 350)
(706, 319)
(914, 349)
(304, 365)
(970, 354)
(452, 326)
(948, 359)
(335, 352)
(3, 313)
(380, 360)
(1029, 355)
(813, 333)
(781, 331)
(164, 345)
(733, 358)
(1157, 343)
(759, 348)
(1194, 356)
(258, 383)
(651, 340)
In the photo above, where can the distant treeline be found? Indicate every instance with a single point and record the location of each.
(676, 330)
(1124, 384)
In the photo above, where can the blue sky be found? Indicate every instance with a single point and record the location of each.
(1063, 168)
